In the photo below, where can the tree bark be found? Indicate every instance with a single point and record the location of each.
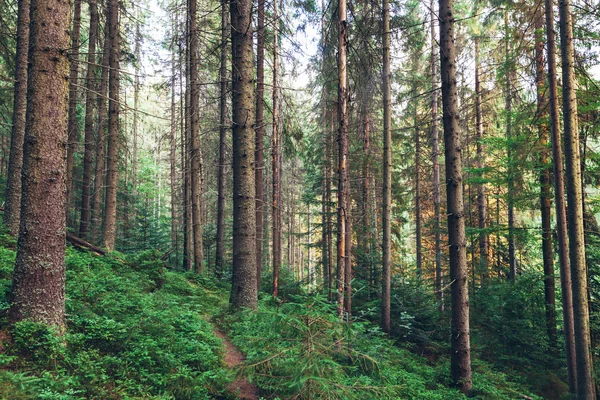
(387, 175)
(38, 287)
(276, 156)
(243, 289)
(219, 262)
(173, 149)
(110, 204)
(559, 197)
(585, 382)
(90, 100)
(73, 83)
(12, 211)
(259, 132)
(460, 358)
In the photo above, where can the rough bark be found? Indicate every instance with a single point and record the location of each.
(222, 143)
(512, 259)
(585, 382)
(243, 289)
(460, 358)
(73, 83)
(559, 200)
(38, 287)
(90, 100)
(136, 103)
(276, 160)
(480, 163)
(12, 212)
(173, 151)
(342, 214)
(259, 132)
(387, 174)
(110, 204)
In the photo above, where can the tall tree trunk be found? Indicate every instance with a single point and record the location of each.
(99, 170)
(243, 289)
(481, 196)
(173, 149)
(73, 86)
(418, 233)
(12, 210)
(387, 174)
(460, 358)
(38, 286)
(559, 198)
(90, 100)
(195, 155)
(110, 204)
(437, 218)
(585, 382)
(136, 103)
(512, 259)
(259, 132)
(276, 159)
(185, 170)
(219, 263)
(545, 172)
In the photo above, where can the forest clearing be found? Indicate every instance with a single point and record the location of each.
(237, 199)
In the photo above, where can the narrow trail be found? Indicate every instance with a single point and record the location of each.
(233, 357)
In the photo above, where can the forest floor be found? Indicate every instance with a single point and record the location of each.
(243, 388)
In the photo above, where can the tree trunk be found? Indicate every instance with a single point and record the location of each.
(481, 195)
(38, 286)
(585, 382)
(90, 100)
(136, 103)
(73, 83)
(99, 173)
(437, 219)
(195, 155)
(276, 156)
(110, 205)
(12, 209)
(545, 172)
(460, 359)
(387, 174)
(259, 131)
(559, 198)
(219, 262)
(173, 150)
(418, 233)
(243, 289)
(512, 259)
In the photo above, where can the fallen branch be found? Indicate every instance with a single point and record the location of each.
(83, 245)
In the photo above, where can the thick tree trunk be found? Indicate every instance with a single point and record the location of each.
(343, 206)
(481, 195)
(99, 173)
(559, 197)
(460, 358)
(12, 209)
(219, 262)
(545, 172)
(173, 150)
(585, 382)
(73, 83)
(195, 155)
(276, 159)
(38, 287)
(259, 132)
(437, 218)
(243, 289)
(387, 174)
(110, 204)
(90, 100)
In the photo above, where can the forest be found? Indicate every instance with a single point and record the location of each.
(292, 199)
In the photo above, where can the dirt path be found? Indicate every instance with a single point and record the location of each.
(233, 358)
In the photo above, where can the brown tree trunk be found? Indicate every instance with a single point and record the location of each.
(481, 195)
(90, 100)
(585, 382)
(512, 259)
(559, 198)
(173, 150)
(545, 172)
(73, 83)
(387, 174)
(276, 156)
(460, 358)
(219, 262)
(437, 218)
(195, 155)
(243, 289)
(99, 173)
(136, 103)
(418, 233)
(38, 286)
(259, 132)
(110, 204)
(12, 209)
